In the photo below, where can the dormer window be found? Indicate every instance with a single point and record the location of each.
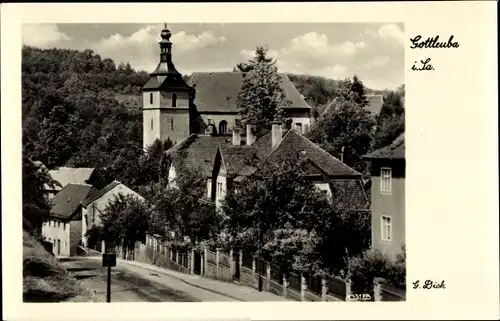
(151, 98)
(174, 99)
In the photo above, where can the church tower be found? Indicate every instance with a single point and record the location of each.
(166, 99)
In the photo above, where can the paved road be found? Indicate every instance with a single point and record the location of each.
(135, 284)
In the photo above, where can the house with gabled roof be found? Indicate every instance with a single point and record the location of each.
(75, 175)
(232, 164)
(388, 166)
(195, 153)
(64, 227)
(374, 105)
(94, 205)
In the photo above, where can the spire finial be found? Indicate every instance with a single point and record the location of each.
(165, 33)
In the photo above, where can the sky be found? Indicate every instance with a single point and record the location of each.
(374, 52)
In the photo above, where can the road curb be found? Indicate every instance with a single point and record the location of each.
(164, 271)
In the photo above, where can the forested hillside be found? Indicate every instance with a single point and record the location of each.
(70, 112)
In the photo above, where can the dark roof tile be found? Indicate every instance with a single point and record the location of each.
(200, 151)
(100, 193)
(294, 142)
(68, 200)
(239, 160)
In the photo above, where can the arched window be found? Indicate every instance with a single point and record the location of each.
(151, 123)
(174, 99)
(223, 127)
(171, 124)
(151, 98)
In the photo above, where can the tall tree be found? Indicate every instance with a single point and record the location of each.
(296, 224)
(391, 120)
(358, 89)
(178, 207)
(125, 220)
(260, 56)
(36, 205)
(345, 132)
(261, 99)
(58, 137)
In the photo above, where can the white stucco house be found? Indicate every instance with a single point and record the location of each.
(63, 228)
(94, 206)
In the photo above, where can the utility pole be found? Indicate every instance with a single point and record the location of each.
(108, 296)
(258, 255)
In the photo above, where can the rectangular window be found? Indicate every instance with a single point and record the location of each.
(219, 188)
(385, 180)
(171, 124)
(386, 228)
(174, 100)
(58, 224)
(151, 123)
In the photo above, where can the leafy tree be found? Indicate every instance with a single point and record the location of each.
(347, 128)
(390, 121)
(297, 226)
(371, 264)
(178, 207)
(358, 89)
(260, 56)
(154, 164)
(125, 220)
(58, 136)
(261, 98)
(36, 206)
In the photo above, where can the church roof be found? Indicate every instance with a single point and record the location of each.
(218, 91)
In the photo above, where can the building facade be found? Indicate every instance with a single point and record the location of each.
(233, 163)
(174, 109)
(64, 227)
(388, 198)
(94, 206)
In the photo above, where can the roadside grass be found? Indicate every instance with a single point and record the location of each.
(46, 280)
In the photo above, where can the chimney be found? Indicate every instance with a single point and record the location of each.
(236, 136)
(250, 134)
(276, 133)
(342, 154)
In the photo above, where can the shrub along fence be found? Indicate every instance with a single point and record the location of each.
(242, 267)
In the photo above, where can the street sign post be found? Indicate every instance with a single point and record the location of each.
(109, 260)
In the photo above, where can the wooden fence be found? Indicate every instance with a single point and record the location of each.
(385, 292)
(242, 267)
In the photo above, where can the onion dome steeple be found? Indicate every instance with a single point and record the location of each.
(165, 75)
(165, 45)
